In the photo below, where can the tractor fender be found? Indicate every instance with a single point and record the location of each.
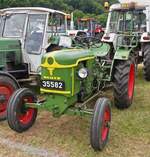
(2, 73)
(122, 54)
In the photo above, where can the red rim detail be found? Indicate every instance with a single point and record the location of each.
(25, 115)
(105, 125)
(131, 81)
(5, 92)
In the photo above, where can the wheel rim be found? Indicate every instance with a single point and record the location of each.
(106, 123)
(25, 114)
(5, 92)
(131, 81)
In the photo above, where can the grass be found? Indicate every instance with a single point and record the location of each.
(69, 136)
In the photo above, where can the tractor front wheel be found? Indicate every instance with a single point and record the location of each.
(100, 124)
(146, 62)
(20, 117)
(7, 88)
(124, 79)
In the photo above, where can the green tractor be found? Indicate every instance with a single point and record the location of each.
(43, 68)
(131, 19)
(25, 35)
(71, 77)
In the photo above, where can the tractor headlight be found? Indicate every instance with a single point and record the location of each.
(83, 73)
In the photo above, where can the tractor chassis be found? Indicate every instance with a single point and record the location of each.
(80, 109)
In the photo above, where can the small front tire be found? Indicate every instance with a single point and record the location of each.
(100, 124)
(21, 118)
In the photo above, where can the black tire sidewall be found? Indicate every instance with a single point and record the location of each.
(13, 107)
(122, 99)
(146, 61)
(97, 123)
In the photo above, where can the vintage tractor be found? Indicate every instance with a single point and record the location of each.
(71, 77)
(132, 19)
(24, 38)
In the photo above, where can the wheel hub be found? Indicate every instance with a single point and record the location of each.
(106, 124)
(25, 114)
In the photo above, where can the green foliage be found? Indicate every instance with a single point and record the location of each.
(81, 8)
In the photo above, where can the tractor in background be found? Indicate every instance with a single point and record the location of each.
(25, 36)
(131, 19)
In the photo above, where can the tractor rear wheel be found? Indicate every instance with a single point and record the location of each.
(124, 79)
(20, 117)
(146, 62)
(100, 124)
(7, 88)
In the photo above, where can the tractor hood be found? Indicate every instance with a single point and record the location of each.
(65, 58)
(9, 44)
(71, 57)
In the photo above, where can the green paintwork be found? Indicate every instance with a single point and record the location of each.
(125, 44)
(69, 57)
(122, 53)
(9, 44)
(101, 50)
(61, 102)
(9, 47)
(66, 77)
(54, 40)
(58, 104)
(51, 104)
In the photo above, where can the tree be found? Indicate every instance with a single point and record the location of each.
(81, 8)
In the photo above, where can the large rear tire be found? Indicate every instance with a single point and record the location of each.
(146, 62)
(124, 80)
(21, 118)
(100, 124)
(7, 88)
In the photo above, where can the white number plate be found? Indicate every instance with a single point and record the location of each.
(53, 84)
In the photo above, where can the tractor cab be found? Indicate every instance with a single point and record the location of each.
(128, 18)
(28, 30)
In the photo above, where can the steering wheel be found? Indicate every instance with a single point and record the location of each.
(87, 41)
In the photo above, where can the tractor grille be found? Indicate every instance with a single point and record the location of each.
(52, 79)
(7, 57)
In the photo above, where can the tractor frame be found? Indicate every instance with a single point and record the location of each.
(132, 19)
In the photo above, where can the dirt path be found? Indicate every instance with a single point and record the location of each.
(27, 149)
